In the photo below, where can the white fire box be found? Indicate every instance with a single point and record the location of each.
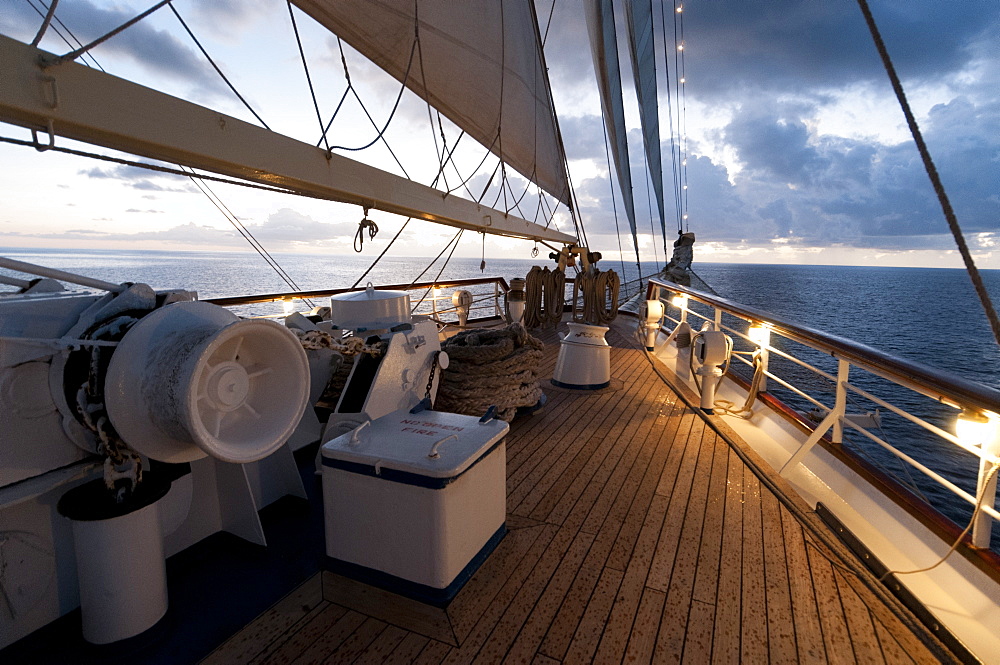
(414, 503)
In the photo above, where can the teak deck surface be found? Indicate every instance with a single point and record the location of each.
(636, 534)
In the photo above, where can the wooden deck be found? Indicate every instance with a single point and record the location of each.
(637, 535)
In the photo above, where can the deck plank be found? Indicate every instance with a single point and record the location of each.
(859, 623)
(408, 649)
(382, 646)
(805, 614)
(271, 626)
(626, 608)
(572, 506)
(329, 641)
(578, 443)
(780, 624)
(753, 642)
(306, 635)
(831, 613)
(672, 640)
(548, 605)
(727, 630)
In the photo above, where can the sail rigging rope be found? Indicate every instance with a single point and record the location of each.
(246, 233)
(305, 66)
(217, 69)
(454, 246)
(46, 20)
(925, 155)
(69, 32)
(73, 55)
(160, 169)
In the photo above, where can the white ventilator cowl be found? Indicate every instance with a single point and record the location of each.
(192, 379)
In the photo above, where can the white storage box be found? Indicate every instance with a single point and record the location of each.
(414, 503)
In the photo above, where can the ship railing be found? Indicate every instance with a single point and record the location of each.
(816, 379)
(432, 299)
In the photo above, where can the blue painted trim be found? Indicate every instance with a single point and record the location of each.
(573, 386)
(404, 477)
(419, 592)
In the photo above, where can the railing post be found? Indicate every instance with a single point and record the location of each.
(718, 318)
(496, 300)
(983, 527)
(834, 420)
(765, 358)
(840, 399)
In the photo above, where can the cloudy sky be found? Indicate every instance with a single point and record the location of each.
(797, 151)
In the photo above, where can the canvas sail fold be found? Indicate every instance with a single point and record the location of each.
(475, 66)
(639, 14)
(604, 48)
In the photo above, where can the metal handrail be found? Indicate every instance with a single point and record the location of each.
(938, 384)
(325, 293)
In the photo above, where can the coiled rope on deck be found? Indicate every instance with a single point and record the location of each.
(490, 367)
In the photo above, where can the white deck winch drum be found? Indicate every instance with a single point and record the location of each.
(370, 309)
(192, 379)
(584, 361)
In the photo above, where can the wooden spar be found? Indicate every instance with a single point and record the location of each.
(87, 105)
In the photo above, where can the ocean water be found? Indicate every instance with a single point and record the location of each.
(927, 315)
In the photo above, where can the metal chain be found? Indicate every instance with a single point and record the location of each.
(430, 379)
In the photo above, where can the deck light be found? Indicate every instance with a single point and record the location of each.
(974, 427)
(680, 300)
(760, 334)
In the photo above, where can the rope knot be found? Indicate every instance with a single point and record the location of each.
(359, 237)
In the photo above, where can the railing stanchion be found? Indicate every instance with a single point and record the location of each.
(840, 399)
(986, 492)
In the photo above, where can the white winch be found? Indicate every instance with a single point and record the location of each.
(712, 350)
(191, 379)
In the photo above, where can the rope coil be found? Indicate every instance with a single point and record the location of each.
(491, 367)
(599, 289)
(544, 291)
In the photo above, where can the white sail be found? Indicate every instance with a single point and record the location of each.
(604, 47)
(640, 37)
(480, 64)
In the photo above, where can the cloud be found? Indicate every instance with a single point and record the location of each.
(141, 179)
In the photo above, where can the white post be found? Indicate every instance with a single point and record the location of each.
(840, 400)
(983, 527)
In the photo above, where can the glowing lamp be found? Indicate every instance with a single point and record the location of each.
(760, 334)
(680, 300)
(974, 428)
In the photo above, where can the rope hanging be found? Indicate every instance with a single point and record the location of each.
(359, 237)
(544, 291)
(598, 289)
(925, 155)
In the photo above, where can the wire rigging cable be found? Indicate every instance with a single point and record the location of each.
(925, 155)
(72, 41)
(305, 67)
(217, 69)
